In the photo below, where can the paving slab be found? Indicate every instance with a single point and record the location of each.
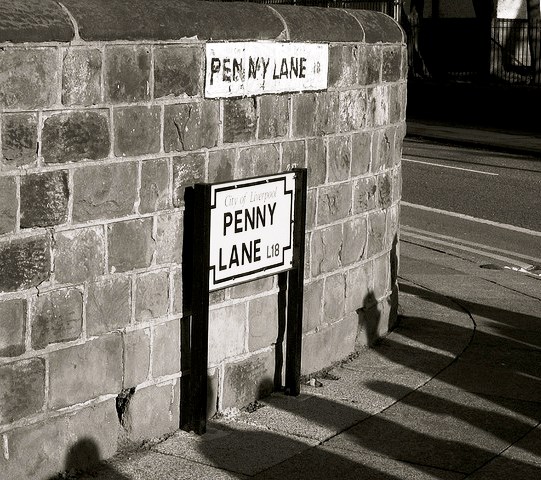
(324, 463)
(504, 468)
(308, 416)
(151, 465)
(446, 428)
(235, 447)
(527, 449)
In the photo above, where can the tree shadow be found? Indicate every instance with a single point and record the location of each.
(425, 433)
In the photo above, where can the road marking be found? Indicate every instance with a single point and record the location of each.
(501, 258)
(471, 244)
(453, 168)
(474, 219)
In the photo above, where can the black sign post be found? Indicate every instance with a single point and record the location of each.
(194, 408)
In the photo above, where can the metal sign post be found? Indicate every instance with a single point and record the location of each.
(244, 230)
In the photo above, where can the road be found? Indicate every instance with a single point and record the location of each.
(481, 204)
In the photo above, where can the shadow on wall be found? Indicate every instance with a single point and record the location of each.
(83, 455)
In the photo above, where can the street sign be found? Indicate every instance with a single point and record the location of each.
(237, 69)
(251, 229)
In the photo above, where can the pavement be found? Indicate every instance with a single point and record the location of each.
(453, 392)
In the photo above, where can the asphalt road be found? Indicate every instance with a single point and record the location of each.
(473, 200)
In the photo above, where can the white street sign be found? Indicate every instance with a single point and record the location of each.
(237, 69)
(251, 229)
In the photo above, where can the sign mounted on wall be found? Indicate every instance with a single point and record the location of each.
(251, 229)
(237, 69)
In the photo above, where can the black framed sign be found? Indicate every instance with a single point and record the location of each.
(251, 229)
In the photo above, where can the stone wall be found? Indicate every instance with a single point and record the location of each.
(103, 125)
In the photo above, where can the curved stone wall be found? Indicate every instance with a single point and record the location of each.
(103, 124)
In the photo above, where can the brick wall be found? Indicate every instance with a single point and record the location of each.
(103, 125)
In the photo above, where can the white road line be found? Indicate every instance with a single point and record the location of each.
(453, 168)
(501, 258)
(474, 219)
(406, 228)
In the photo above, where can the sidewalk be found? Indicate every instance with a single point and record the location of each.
(453, 392)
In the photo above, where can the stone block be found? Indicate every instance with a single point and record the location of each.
(12, 327)
(29, 78)
(343, 65)
(222, 165)
(81, 76)
(311, 200)
(376, 233)
(177, 293)
(44, 199)
(22, 389)
(227, 323)
(393, 226)
(169, 238)
(381, 272)
(352, 110)
(312, 305)
(79, 255)
(24, 263)
(334, 297)
(127, 73)
(327, 117)
(254, 287)
(191, 126)
(152, 295)
(166, 349)
(373, 324)
(334, 203)
(343, 338)
(370, 72)
(19, 140)
(364, 195)
(248, 380)
(397, 102)
(397, 184)
(56, 317)
(326, 250)
(382, 149)
(187, 170)
(104, 191)
(136, 357)
(83, 372)
(293, 155)
(131, 245)
(377, 106)
(354, 241)
(339, 158)
(108, 305)
(177, 70)
(400, 133)
(316, 162)
(304, 114)
(359, 287)
(75, 136)
(154, 192)
(361, 151)
(391, 66)
(240, 120)
(384, 190)
(93, 434)
(8, 205)
(262, 322)
(273, 116)
(37, 451)
(316, 351)
(137, 130)
(258, 160)
(153, 412)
